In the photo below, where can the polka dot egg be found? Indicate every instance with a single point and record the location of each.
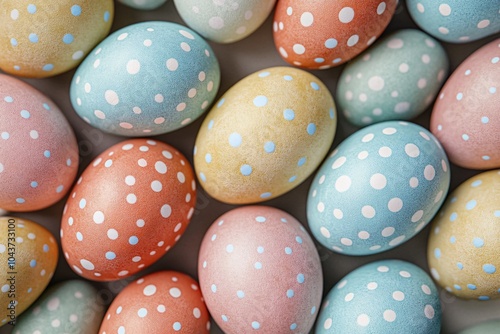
(28, 253)
(70, 306)
(398, 78)
(38, 149)
(143, 4)
(43, 38)
(260, 271)
(323, 34)
(224, 21)
(265, 136)
(378, 188)
(129, 207)
(146, 79)
(482, 328)
(464, 240)
(456, 21)
(389, 296)
(162, 302)
(466, 115)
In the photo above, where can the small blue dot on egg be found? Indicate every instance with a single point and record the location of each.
(319, 60)
(45, 248)
(471, 205)
(471, 287)
(68, 39)
(106, 16)
(213, 288)
(76, 10)
(293, 326)
(257, 265)
(33, 38)
(289, 114)
(46, 153)
(298, 239)
(485, 157)
(240, 294)
(269, 147)
(495, 60)
(314, 86)
(8, 99)
(265, 195)
(110, 255)
(437, 253)
(457, 287)
(290, 293)
(20, 200)
(235, 139)
(25, 114)
(13, 42)
(301, 161)
(224, 318)
(460, 265)
(221, 102)
(453, 239)
(453, 216)
(229, 248)
(208, 158)
(293, 178)
(485, 120)
(311, 129)
(133, 240)
(260, 101)
(465, 137)
(483, 298)
(313, 310)
(203, 177)
(288, 78)
(246, 170)
(476, 183)
(489, 268)
(31, 9)
(32, 263)
(331, 43)
(264, 74)
(478, 242)
(492, 90)
(496, 213)
(260, 219)
(255, 325)
(48, 67)
(34, 184)
(288, 250)
(46, 106)
(300, 278)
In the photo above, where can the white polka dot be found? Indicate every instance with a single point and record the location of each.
(445, 9)
(166, 211)
(98, 217)
(307, 19)
(385, 152)
(53, 304)
(216, 22)
(363, 235)
(368, 211)
(99, 114)
(172, 64)
(159, 98)
(149, 290)
(122, 36)
(389, 315)
(422, 83)
(483, 24)
(299, 49)
(346, 241)
(378, 181)
(417, 216)
(321, 207)
(363, 320)
(376, 83)
(413, 182)
(429, 172)
(337, 213)
(429, 311)
(402, 107)
(156, 186)
(339, 162)
(324, 232)
(185, 47)
(175, 292)
(395, 204)
(367, 138)
(412, 150)
(395, 43)
(112, 234)
(426, 289)
(87, 264)
(403, 68)
(346, 15)
(131, 198)
(343, 183)
(426, 59)
(388, 231)
(133, 66)
(353, 40)
(111, 97)
(444, 30)
(398, 295)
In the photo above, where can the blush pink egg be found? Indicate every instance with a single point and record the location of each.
(38, 149)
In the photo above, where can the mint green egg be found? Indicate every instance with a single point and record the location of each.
(489, 327)
(143, 4)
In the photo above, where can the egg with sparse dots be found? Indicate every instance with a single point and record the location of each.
(128, 208)
(143, 4)
(483, 328)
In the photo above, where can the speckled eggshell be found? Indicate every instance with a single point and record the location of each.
(388, 296)
(39, 39)
(466, 116)
(146, 79)
(66, 307)
(265, 136)
(143, 4)
(459, 21)
(162, 302)
(465, 238)
(487, 327)
(378, 188)
(38, 149)
(322, 34)
(396, 79)
(35, 252)
(224, 21)
(129, 207)
(259, 270)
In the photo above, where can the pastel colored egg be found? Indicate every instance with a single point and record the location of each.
(323, 34)
(483, 328)
(28, 253)
(128, 208)
(378, 188)
(259, 270)
(143, 4)
(463, 246)
(388, 296)
(66, 307)
(466, 116)
(224, 21)
(162, 302)
(398, 78)
(146, 79)
(265, 136)
(456, 21)
(40, 39)
(38, 149)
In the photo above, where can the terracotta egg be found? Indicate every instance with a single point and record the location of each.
(38, 149)
(162, 302)
(43, 38)
(466, 116)
(129, 207)
(323, 34)
(143, 4)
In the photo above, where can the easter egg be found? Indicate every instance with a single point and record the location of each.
(483, 328)
(129, 207)
(28, 253)
(463, 246)
(259, 270)
(322, 34)
(143, 4)
(224, 21)
(67, 307)
(466, 116)
(162, 302)
(388, 296)
(38, 149)
(265, 136)
(146, 79)
(396, 79)
(459, 21)
(378, 188)
(40, 39)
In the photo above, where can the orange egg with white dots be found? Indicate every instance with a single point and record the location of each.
(128, 208)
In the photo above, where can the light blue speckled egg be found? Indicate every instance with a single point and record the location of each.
(378, 188)
(224, 21)
(143, 4)
(146, 79)
(388, 296)
(396, 79)
(458, 21)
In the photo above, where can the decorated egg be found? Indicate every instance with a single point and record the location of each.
(265, 136)
(260, 270)
(465, 238)
(224, 21)
(38, 149)
(66, 307)
(43, 38)
(378, 188)
(388, 296)
(28, 253)
(146, 79)
(323, 34)
(143, 4)
(129, 207)
(459, 21)
(162, 302)
(396, 79)
(483, 328)
(466, 116)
